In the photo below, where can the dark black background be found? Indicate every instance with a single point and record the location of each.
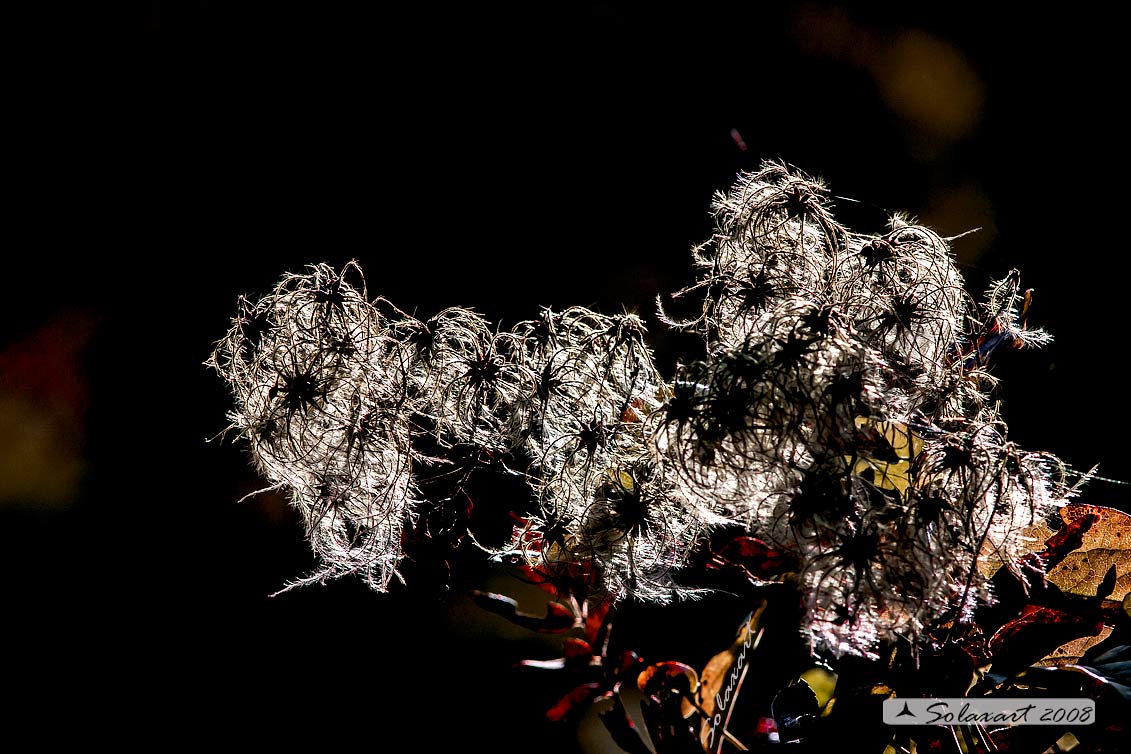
(163, 158)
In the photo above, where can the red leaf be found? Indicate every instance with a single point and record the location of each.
(632, 414)
(1036, 632)
(758, 558)
(595, 620)
(576, 654)
(670, 677)
(558, 611)
(628, 660)
(575, 649)
(1069, 538)
(568, 703)
(559, 618)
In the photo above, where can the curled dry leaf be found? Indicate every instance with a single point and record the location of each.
(720, 681)
(1071, 652)
(670, 677)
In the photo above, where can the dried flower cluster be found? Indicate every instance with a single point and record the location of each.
(842, 411)
(839, 413)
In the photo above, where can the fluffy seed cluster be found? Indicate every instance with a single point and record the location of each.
(317, 388)
(840, 412)
(356, 407)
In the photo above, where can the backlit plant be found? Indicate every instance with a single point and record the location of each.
(833, 454)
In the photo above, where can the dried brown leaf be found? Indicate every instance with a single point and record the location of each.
(713, 681)
(1079, 555)
(670, 677)
(1071, 652)
(1106, 545)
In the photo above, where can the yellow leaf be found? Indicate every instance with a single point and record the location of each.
(823, 683)
(905, 444)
